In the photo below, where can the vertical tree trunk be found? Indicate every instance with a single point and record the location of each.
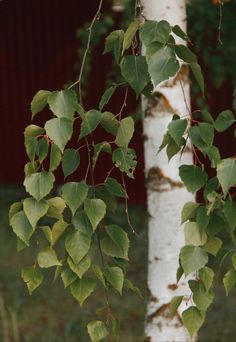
(166, 193)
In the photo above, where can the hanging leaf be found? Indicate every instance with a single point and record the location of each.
(95, 209)
(98, 148)
(174, 304)
(80, 268)
(81, 289)
(47, 258)
(90, 122)
(130, 34)
(125, 132)
(21, 227)
(70, 161)
(32, 276)
(97, 330)
(196, 69)
(124, 159)
(201, 297)
(206, 132)
(39, 101)
(193, 320)
(110, 123)
(114, 44)
(31, 133)
(179, 32)
(230, 213)
(192, 258)
(56, 207)
(77, 245)
(57, 230)
(63, 103)
(59, 131)
(81, 222)
(74, 194)
(14, 208)
(42, 149)
(162, 65)
(226, 174)
(98, 272)
(194, 235)
(189, 211)
(184, 53)
(67, 276)
(206, 275)
(55, 157)
(194, 177)
(106, 97)
(224, 120)
(134, 69)
(34, 210)
(114, 187)
(115, 277)
(39, 184)
(229, 280)
(152, 31)
(176, 129)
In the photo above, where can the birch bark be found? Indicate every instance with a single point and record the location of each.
(165, 191)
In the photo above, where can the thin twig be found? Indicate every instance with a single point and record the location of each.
(86, 51)
(124, 104)
(220, 21)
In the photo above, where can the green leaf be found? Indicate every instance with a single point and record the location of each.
(80, 268)
(206, 275)
(206, 132)
(226, 174)
(193, 234)
(230, 213)
(124, 159)
(90, 122)
(134, 69)
(229, 280)
(47, 258)
(116, 244)
(70, 161)
(31, 167)
(39, 184)
(14, 208)
(155, 31)
(224, 120)
(114, 276)
(57, 230)
(47, 233)
(175, 303)
(114, 43)
(152, 48)
(125, 132)
(55, 157)
(34, 210)
(189, 211)
(166, 139)
(21, 227)
(59, 131)
(234, 261)
(192, 258)
(98, 148)
(31, 133)
(162, 65)
(81, 222)
(196, 69)
(201, 297)
(56, 207)
(99, 274)
(216, 223)
(194, 177)
(115, 329)
(179, 32)
(130, 34)
(97, 330)
(63, 103)
(106, 97)
(195, 136)
(109, 199)
(67, 276)
(172, 148)
(77, 245)
(95, 209)
(81, 289)
(74, 194)
(176, 129)
(115, 188)
(184, 53)
(129, 285)
(193, 320)
(202, 218)
(32, 276)
(39, 101)
(41, 149)
(110, 123)
(213, 154)
(213, 245)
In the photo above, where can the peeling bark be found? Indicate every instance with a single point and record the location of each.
(165, 191)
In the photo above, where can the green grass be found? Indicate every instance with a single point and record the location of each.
(52, 315)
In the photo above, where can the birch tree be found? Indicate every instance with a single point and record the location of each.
(166, 193)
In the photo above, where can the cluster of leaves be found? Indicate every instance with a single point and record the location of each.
(73, 220)
(204, 223)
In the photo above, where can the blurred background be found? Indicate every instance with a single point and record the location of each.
(42, 43)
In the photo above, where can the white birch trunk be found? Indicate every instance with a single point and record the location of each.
(165, 191)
